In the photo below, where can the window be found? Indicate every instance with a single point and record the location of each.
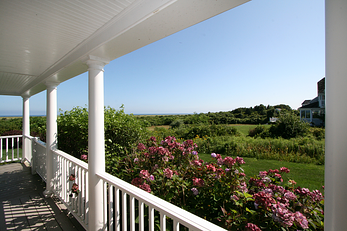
(308, 114)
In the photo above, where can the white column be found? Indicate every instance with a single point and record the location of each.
(96, 141)
(26, 153)
(51, 133)
(336, 110)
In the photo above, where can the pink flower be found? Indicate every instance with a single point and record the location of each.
(74, 188)
(168, 173)
(279, 177)
(144, 174)
(290, 196)
(198, 182)
(145, 187)
(195, 162)
(195, 191)
(141, 146)
(316, 195)
(252, 227)
(302, 191)
(213, 155)
(282, 215)
(228, 161)
(84, 157)
(72, 177)
(273, 171)
(240, 160)
(211, 167)
(151, 178)
(301, 220)
(243, 187)
(137, 181)
(234, 197)
(284, 169)
(264, 199)
(262, 174)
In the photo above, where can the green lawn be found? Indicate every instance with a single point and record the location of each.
(10, 154)
(244, 128)
(306, 175)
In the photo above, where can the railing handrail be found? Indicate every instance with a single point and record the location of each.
(72, 159)
(184, 217)
(12, 136)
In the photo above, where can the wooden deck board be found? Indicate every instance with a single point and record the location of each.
(23, 206)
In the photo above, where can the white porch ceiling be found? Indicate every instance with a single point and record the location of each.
(42, 40)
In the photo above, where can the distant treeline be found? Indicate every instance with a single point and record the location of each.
(259, 114)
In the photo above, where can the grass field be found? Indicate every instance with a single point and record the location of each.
(244, 128)
(306, 175)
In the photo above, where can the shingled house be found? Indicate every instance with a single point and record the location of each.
(313, 111)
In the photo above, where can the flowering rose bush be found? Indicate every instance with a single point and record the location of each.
(220, 191)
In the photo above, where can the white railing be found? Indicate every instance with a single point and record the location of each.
(68, 171)
(38, 161)
(125, 206)
(10, 148)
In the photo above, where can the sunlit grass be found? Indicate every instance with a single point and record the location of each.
(306, 175)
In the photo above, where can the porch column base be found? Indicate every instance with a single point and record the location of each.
(47, 193)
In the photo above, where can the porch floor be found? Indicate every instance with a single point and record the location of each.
(23, 206)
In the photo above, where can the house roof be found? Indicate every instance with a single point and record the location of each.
(311, 105)
(321, 86)
(47, 40)
(306, 102)
(314, 103)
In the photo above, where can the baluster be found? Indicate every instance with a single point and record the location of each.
(151, 218)
(176, 225)
(141, 216)
(12, 147)
(124, 210)
(132, 213)
(6, 149)
(117, 209)
(110, 208)
(105, 204)
(162, 221)
(0, 150)
(83, 193)
(59, 177)
(79, 200)
(18, 148)
(87, 198)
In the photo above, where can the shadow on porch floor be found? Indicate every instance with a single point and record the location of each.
(23, 206)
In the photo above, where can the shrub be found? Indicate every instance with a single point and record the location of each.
(318, 133)
(177, 123)
(259, 131)
(122, 133)
(289, 126)
(192, 131)
(301, 150)
(219, 191)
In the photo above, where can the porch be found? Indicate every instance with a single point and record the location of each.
(23, 206)
(122, 205)
(108, 30)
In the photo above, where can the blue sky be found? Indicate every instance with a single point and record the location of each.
(262, 52)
